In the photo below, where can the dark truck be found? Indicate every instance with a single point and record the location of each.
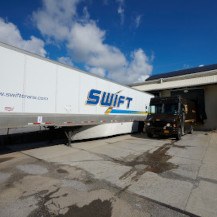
(170, 116)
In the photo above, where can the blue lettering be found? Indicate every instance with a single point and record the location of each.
(93, 97)
(115, 100)
(129, 99)
(121, 100)
(107, 99)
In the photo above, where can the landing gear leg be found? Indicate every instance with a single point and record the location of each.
(191, 130)
(68, 134)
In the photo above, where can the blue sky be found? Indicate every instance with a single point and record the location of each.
(124, 40)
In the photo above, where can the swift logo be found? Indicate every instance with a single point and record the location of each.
(107, 99)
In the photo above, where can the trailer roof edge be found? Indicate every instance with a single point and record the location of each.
(11, 47)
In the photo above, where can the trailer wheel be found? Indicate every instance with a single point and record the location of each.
(179, 134)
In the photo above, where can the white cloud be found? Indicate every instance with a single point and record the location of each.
(121, 10)
(65, 60)
(85, 42)
(10, 34)
(97, 71)
(141, 79)
(86, 39)
(55, 17)
(138, 20)
(137, 70)
(86, 14)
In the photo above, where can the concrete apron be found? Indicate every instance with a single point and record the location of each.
(180, 175)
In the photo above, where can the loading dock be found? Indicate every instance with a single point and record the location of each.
(196, 95)
(198, 84)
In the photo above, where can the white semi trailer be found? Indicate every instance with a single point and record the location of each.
(35, 91)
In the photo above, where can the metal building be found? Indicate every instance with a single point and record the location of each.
(198, 84)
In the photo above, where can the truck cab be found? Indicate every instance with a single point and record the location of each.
(170, 116)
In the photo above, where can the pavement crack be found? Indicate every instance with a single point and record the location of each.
(207, 180)
(172, 175)
(118, 194)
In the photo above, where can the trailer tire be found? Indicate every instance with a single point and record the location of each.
(179, 134)
(141, 126)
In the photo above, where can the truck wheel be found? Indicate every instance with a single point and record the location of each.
(179, 134)
(150, 135)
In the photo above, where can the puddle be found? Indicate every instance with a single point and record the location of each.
(96, 208)
(156, 162)
(5, 159)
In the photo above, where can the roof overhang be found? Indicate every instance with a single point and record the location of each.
(190, 80)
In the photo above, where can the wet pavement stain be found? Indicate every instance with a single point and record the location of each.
(16, 177)
(42, 209)
(5, 159)
(182, 147)
(156, 162)
(96, 208)
(179, 146)
(62, 171)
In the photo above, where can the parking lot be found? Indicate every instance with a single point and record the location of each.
(128, 175)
